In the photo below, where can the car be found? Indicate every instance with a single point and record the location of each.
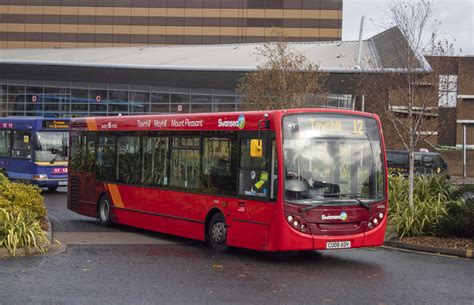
(426, 163)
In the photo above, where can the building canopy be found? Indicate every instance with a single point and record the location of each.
(383, 52)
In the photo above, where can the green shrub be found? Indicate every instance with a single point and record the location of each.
(16, 197)
(21, 230)
(430, 199)
(459, 220)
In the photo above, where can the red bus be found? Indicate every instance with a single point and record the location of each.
(280, 180)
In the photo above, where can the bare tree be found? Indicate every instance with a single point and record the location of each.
(409, 98)
(283, 79)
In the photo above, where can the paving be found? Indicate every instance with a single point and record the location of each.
(107, 238)
(121, 265)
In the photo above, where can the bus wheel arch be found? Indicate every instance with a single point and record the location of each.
(216, 230)
(104, 210)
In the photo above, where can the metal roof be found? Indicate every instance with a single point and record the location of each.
(334, 56)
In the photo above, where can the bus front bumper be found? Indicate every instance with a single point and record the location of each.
(284, 238)
(42, 180)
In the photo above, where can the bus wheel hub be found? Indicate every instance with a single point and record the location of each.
(218, 232)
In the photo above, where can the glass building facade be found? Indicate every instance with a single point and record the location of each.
(81, 99)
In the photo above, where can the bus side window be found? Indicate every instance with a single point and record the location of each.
(185, 162)
(155, 161)
(5, 143)
(21, 144)
(128, 163)
(106, 158)
(88, 160)
(218, 166)
(253, 172)
(76, 152)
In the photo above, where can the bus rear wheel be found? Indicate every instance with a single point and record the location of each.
(218, 233)
(104, 211)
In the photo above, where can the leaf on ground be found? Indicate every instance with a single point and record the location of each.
(217, 266)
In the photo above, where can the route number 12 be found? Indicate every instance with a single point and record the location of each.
(358, 126)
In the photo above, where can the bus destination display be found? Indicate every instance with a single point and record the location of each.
(55, 124)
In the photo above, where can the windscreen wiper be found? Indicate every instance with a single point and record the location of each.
(362, 203)
(309, 207)
(54, 159)
(352, 196)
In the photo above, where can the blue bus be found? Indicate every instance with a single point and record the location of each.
(34, 150)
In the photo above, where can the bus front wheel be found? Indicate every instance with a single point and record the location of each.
(104, 211)
(218, 233)
(52, 188)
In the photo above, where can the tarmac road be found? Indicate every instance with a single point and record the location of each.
(127, 266)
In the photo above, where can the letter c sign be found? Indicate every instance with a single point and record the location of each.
(98, 98)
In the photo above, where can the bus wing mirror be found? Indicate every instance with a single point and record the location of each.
(256, 148)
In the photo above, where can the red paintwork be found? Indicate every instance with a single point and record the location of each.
(251, 224)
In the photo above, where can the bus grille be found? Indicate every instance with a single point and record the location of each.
(74, 189)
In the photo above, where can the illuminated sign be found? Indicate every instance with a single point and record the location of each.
(327, 126)
(338, 126)
(6, 125)
(59, 170)
(55, 124)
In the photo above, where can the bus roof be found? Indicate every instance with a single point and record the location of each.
(244, 120)
(38, 123)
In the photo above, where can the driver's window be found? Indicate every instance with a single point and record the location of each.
(253, 174)
(274, 171)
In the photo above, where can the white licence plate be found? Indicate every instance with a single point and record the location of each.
(62, 182)
(338, 244)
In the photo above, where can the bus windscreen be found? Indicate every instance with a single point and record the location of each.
(51, 146)
(332, 160)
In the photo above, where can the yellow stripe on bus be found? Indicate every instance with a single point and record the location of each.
(56, 163)
(91, 124)
(115, 193)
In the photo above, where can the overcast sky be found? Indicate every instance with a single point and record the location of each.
(456, 16)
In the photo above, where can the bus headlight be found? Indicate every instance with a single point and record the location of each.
(376, 219)
(297, 223)
(40, 177)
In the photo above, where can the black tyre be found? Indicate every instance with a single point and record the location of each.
(104, 211)
(218, 233)
(52, 188)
